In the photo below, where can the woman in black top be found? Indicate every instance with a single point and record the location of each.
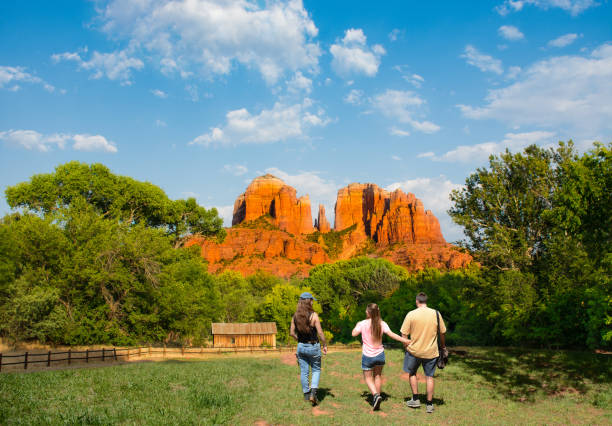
(306, 329)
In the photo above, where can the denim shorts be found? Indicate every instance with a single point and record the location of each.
(411, 364)
(368, 362)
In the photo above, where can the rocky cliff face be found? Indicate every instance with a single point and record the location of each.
(385, 217)
(321, 222)
(268, 195)
(271, 228)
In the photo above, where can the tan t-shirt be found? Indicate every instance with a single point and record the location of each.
(420, 324)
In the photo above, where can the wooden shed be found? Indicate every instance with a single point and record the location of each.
(241, 335)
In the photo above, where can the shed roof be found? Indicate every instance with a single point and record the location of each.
(244, 328)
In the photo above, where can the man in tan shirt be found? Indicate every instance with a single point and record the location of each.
(421, 325)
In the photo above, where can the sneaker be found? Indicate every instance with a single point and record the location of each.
(430, 408)
(307, 396)
(413, 403)
(313, 397)
(376, 402)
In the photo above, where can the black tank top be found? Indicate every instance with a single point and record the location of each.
(310, 337)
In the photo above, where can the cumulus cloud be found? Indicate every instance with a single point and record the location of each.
(479, 153)
(574, 7)
(159, 93)
(235, 169)
(564, 92)
(210, 36)
(117, 65)
(33, 140)
(483, 62)
(352, 55)
(226, 213)
(354, 97)
(403, 106)
(564, 40)
(280, 123)
(395, 34)
(11, 77)
(412, 78)
(299, 84)
(434, 192)
(399, 132)
(510, 32)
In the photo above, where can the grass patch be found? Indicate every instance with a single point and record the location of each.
(479, 386)
(332, 240)
(262, 222)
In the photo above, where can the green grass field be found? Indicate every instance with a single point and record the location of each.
(482, 386)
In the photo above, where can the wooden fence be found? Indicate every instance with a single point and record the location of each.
(124, 354)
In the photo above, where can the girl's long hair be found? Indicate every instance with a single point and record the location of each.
(302, 315)
(376, 327)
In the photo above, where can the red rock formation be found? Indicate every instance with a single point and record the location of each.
(247, 250)
(386, 217)
(321, 222)
(368, 220)
(268, 195)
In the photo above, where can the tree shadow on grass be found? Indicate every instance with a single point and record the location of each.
(323, 393)
(521, 374)
(423, 399)
(367, 396)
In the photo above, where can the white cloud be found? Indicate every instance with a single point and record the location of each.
(412, 78)
(354, 97)
(319, 189)
(574, 7)
(565, 92)
(399, 132)
(483, 62)
(395, 34)
(403, 106)
(396, 158)
(33, 140)
(210, 36)
(159, 93)
(513, 72)
(280, 123)
(299, 84)
(160, 123)
(351, 55)
(434, 192)
(93, 143)
(12, 76)
(235, 169)
(117, 65)
(510, 32)
(226, 213)
(479, 153)
(564, 40)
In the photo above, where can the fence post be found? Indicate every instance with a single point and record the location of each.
(69, 356)
(164, 351)
(0, 361)
(25, 362)
(182, 351)
(149, 350)
(102, 354)
(115, 353)
(49, 359)
(128, 354)
(87, 355)
(138, 352)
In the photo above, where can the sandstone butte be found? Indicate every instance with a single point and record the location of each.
(272, 230)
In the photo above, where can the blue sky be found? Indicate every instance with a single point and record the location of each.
(201, 96)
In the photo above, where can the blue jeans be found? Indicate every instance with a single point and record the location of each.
(309, 355)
